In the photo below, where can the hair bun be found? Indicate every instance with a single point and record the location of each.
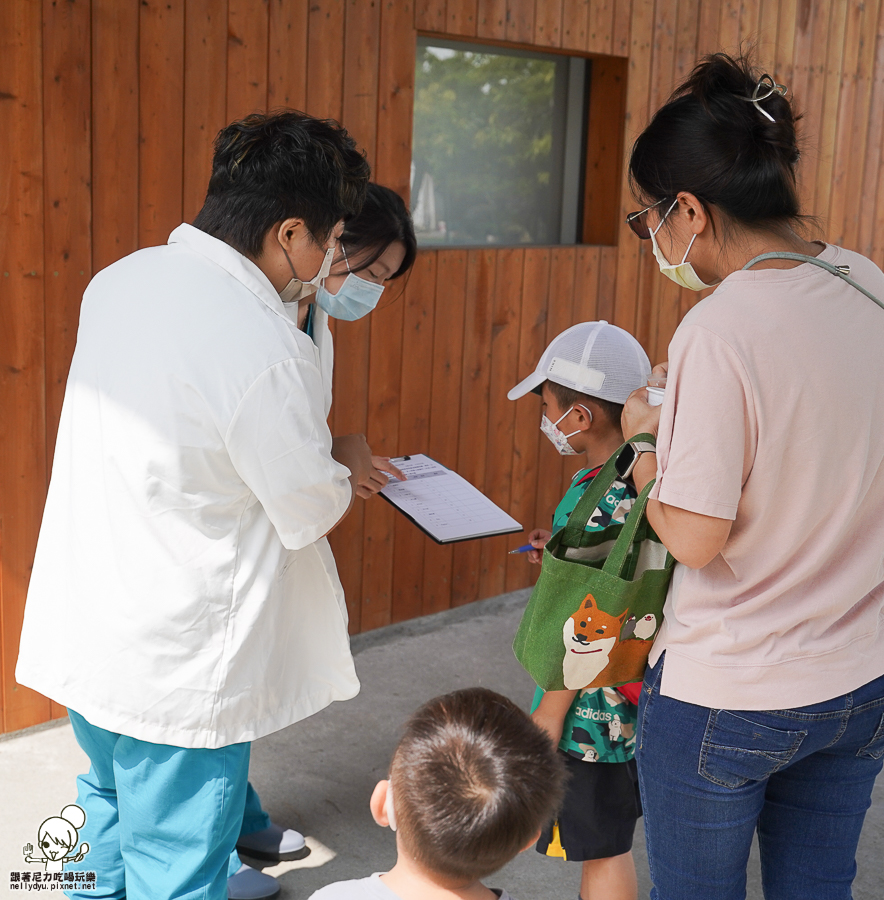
(727, 135)
(732, 91)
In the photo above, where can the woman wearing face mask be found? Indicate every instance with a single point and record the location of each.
(376, 246)
(763, 706)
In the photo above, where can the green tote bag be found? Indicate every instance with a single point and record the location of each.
(598, 603)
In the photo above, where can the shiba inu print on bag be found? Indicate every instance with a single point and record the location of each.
(598, 603)
(599, 648)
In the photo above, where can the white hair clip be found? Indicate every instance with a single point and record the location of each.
(765, 88)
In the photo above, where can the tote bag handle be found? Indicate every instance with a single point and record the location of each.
(616, 561)
(575, 528)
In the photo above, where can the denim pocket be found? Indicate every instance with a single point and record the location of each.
(875, 747)
(736, 750)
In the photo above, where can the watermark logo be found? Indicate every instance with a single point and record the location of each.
(57, 840)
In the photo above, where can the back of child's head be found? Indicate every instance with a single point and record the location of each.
(473, 781)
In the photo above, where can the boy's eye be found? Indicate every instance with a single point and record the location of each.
(45, 845)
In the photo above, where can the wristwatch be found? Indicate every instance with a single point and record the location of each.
(628, 456)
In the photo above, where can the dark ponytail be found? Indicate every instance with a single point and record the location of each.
(711, 140)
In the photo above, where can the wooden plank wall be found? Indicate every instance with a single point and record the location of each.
(109, 110)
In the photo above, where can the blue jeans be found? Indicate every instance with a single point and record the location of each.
(802, 778)
(161, 821)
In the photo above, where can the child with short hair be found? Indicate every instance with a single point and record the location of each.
(472, 783)
(584, 378)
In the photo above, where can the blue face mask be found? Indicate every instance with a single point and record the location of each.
(355, 298)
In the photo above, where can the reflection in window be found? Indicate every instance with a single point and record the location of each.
(497, 145)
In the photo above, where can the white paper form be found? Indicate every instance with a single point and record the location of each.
(443, 504)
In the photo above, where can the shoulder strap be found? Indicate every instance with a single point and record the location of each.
(800, 257)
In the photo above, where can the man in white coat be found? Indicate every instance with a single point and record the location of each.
(184, 600)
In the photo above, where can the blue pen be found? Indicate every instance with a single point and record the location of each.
(523, 549)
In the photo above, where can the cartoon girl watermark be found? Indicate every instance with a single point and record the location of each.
(57, 840)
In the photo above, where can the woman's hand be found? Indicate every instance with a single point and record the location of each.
(638, 416)
(368, 473)
(352, 451)
(381, 468)
(537, 539)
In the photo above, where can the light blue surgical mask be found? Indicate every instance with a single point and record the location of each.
(355, 298)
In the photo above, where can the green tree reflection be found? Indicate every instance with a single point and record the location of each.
(484, 132)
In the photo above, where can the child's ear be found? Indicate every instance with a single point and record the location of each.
(378, 802)
(379, 806)
(532, 842)
(584, 418)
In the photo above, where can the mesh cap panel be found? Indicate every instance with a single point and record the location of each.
(595, 358)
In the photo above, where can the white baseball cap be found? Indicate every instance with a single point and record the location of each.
(594, 358)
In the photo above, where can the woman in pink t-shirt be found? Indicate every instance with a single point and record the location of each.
(763, 708)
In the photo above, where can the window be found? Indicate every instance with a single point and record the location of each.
(498, 145)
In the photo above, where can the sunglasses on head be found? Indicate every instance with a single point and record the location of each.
(638, 221)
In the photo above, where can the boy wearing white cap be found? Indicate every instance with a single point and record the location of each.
(584, 378)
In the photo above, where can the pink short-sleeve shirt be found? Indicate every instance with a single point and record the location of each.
(774, 418)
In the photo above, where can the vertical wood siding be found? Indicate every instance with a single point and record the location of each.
(110, 108)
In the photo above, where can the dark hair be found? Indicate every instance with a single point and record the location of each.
(709, 140)
(282, 165)
(566, 397)
(473, 780)
(384, 219)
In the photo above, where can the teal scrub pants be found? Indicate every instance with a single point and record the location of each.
(161, 821)
(254, 819)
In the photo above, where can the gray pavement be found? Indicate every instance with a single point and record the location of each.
(317, 776)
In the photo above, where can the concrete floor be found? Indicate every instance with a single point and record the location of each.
(317, 776)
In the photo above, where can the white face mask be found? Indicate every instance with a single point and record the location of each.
(682, 274)
(558, 439)
(296, 289)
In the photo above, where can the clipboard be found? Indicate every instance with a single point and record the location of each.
(444, 505)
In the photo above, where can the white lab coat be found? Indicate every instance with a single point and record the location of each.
(182, 591)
